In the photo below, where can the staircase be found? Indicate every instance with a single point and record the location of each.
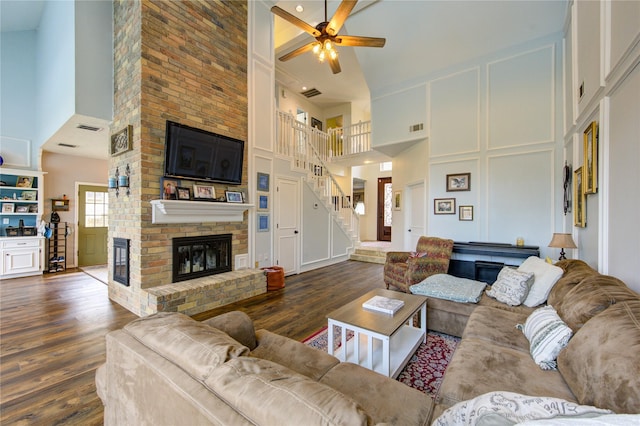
(369, 254)
(309, 149)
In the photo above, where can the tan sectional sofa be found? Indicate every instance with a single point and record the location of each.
(600, 365)
(168, 369)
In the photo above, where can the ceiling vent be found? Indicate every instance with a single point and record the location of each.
(67, 145)
(416, 127)
(87, 127)
(311, 93)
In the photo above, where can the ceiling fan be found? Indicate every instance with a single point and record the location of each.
(326, 35)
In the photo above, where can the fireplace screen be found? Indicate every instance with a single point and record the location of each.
(121, 260)
(195, 257)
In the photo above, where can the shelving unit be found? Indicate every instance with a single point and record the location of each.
(57, 247)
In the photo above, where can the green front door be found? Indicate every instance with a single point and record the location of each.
(93, 210)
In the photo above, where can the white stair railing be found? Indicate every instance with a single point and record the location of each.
(353, 139)
(308, 149)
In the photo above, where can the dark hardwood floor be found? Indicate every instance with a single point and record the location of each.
(52, 330)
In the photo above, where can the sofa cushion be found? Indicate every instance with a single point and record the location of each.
(601, 363)
(591, 296)
(479, 367)
(295, 355)
(574, 272)
(267, 393)
(547, 336)
(511, 287)
(508, 408)
(546, 275)
(497, 327)
(444, 286)
(197, 348)
(236, 324)
(386, 401)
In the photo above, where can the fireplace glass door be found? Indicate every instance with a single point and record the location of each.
(195, 257)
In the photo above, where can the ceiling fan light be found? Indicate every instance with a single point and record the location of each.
(316, 48)
(333, 54)
(328, 45)
(321, 56)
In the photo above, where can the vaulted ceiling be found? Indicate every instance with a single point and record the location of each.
(423, 36)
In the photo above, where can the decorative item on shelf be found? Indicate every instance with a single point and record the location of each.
(204, 192)
(24, 182)
(233, 196)
(183, 193)
(562, 241)
(520, 242)
(120, 181)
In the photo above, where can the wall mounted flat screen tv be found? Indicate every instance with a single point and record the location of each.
(200, 155)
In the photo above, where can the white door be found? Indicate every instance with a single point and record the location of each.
(286, 223)
(416, 214)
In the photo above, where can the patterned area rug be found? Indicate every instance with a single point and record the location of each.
(425, 368)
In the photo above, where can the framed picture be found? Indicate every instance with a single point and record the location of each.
(315, 123)
(24, 182)
(459, 182)
(122, 141)
(8, 207)
(444, 206)
(204, 192)
(579, 199)
(183, 193)
(263, 222)
(465, 213)
(263, 202)
(590, 164)
(397, 200)
(169, 188)
(29, 195)
(22, 209)
(233, 196)
(33, 208)
(263, 182)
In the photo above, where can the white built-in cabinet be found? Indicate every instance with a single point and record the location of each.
(21, 206)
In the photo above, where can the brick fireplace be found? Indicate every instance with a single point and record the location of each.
(159, 76)
(201, 256)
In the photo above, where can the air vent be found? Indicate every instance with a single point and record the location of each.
(416, 127)
(311, 93)
(67, 145)
(87, 127)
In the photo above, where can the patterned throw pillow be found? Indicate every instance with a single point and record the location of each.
(547, 335)
(415, 254)
(511, 287)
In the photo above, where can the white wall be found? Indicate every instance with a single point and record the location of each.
(499, 118)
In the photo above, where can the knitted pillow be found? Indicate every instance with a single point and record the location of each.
(547, 335)
(511, 287)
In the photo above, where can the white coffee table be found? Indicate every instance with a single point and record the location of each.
(382, 342)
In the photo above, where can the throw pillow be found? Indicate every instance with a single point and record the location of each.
(416, 254)
(547, 335)
(509, 408)
(511, 287)
(546, 275)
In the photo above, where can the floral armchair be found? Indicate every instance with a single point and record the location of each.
(404, 269)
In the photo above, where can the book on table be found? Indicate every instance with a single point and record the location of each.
(383, 304)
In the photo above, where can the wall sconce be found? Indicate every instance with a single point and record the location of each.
(120, 181)
(359, 208)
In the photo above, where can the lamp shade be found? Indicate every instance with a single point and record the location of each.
(562, 241)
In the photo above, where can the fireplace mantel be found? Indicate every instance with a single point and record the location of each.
(183, 211)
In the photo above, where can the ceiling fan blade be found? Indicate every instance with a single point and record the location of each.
(295, 21)
(335, 65)
(298, 51)
(360, 41)
(340, 16)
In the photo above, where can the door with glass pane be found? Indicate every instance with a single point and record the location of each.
(93, 219)
(385, 196)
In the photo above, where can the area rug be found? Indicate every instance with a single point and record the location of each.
(426, 367)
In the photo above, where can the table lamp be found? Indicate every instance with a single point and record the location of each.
(561, 241)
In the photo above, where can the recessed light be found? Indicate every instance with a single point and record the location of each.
(304, 87)
(299, 8)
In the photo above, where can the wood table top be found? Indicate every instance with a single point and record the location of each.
(386, 324)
